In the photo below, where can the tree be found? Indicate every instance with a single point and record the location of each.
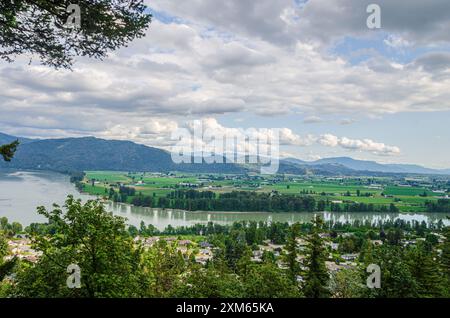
(3, 247)
(16, 227)
(397, 280)
(90, 237)
(316, 277)
(7, 151)
(347, 283)
(235, 248)
(209, 282)
(39, 28)
(425, 270)
(291, 252)
(268, 281)
(163, 264)
(6, 267)
(445, 259)
(3, 222)
(394, 236)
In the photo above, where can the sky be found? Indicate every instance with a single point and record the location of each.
(311, 68)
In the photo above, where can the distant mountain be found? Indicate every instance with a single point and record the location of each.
(363, 165)
(6, 139)
(295, 161)
(90, 153)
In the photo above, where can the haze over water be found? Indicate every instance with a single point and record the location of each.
(22, 191)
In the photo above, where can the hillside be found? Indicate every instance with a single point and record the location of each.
(90, 153)
(6, 139)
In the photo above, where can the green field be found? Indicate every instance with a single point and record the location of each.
(406, 198)
(396, 190)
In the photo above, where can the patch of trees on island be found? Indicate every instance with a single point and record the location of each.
(194, 200)
(441, 205)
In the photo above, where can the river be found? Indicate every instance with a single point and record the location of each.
(22, 191)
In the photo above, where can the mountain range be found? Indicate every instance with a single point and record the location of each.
(365, 165)
(90, 153)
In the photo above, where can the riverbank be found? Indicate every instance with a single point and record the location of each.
(23, 191)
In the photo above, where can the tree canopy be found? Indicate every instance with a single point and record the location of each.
(7, 151)
(45, 28)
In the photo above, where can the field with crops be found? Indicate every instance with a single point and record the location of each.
(376, 191)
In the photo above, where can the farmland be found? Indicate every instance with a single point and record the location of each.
(406, 195)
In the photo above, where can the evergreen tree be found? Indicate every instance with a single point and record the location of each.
(425, 270)
(397, 280)
(316, 277)
(7, 151)
(268, 281)
(445, 260)
(39, 28)
(292, 252)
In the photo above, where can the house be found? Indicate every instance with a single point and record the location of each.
(202, 259)
(301, 242)
(149, 241)
(205, 245)
(350, 257)
(347, 234)
(184, 242)
(377, 242)
(334, 246)
(205, 251)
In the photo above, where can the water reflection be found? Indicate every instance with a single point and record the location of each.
(22, 191)
(163, 217)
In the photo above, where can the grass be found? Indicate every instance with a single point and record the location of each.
(407, 199)
(408, 191)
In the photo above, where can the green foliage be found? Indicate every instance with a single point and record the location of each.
(426, 272)
(209, 282)
(93, 239)
(38, 27)
(397, 281)
(445, 261)
(7, 151)
(269, 281)
(316, 277)
(347, 283)
(113, 265)
(3, 247)
(10, 229)
(162, 266)
(292, 253)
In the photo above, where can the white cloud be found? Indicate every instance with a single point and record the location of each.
(312, 120)
(367, 145)
(228, 57)
(289, 138)
(177, 71)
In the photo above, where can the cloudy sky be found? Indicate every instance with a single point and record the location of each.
(312, 68)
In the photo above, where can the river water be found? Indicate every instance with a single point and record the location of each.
(22, 191)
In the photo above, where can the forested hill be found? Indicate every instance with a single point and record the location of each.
(6, 139)
(89, 153)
